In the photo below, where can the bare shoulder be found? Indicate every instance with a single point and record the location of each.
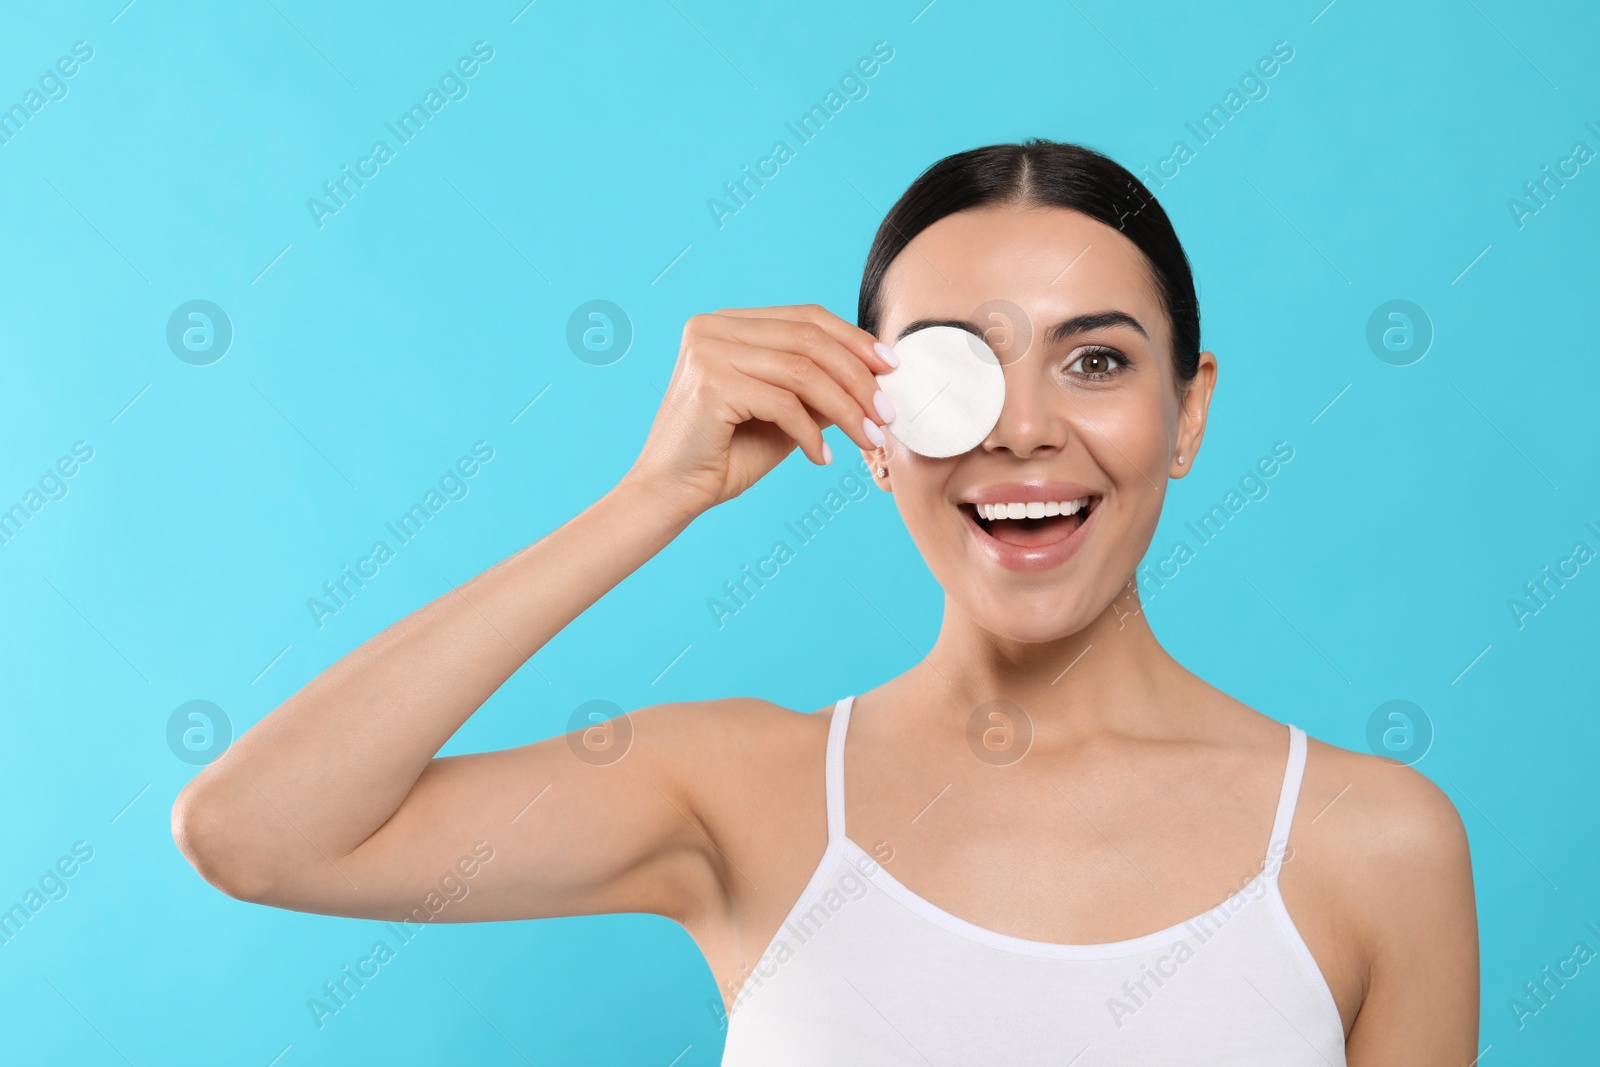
(726, 731)
(1388, 822)
(732, 755)
(1384, 852)
(1367, 808)
(1377, 821)
(1372, 822)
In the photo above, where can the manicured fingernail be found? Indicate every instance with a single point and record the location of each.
(882, 403)
(874, 434)
(827, 453)
(887, 353)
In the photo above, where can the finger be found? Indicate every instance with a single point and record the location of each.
(854, 339)
(848, 334)
(809, 340)
(752, 398)
(805, 377)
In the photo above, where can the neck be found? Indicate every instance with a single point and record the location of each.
(1113, 674)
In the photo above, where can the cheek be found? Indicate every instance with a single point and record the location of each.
(919, 485)
(921, 488)
(1127, 437)
(1127, 434)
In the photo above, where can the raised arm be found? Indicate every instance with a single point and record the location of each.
(336, 802)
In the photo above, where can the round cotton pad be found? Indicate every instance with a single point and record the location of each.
(947, 391)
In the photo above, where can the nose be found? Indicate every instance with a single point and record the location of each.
(1032, 422)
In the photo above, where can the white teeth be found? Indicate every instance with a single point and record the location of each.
(1033, 509)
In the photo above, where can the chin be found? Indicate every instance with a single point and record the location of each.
(1038, 620)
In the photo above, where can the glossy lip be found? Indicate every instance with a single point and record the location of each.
(1016, 557)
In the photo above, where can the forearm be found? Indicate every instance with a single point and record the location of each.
(337, 759)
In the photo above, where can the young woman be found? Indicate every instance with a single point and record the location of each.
(1046, 842)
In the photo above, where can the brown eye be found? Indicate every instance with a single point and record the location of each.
(1097, 363)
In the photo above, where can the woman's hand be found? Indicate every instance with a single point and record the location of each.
(749, 385)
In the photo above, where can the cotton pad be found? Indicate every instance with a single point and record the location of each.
(947, 391)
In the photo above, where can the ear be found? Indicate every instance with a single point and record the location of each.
(878, 457)
(1192, 410)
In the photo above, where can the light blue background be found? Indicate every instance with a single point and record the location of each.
(426, 315)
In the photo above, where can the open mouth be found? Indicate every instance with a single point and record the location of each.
(1034, 524)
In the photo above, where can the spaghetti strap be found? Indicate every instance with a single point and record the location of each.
(857, 937)
(833, 769)
(1293, 773)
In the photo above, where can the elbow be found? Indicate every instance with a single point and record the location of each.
(204, 832)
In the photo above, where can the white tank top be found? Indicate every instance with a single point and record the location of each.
(865, 971)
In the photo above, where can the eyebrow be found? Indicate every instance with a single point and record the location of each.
(1095, 320)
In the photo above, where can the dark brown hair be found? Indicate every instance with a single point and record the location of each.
(1045, 174)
